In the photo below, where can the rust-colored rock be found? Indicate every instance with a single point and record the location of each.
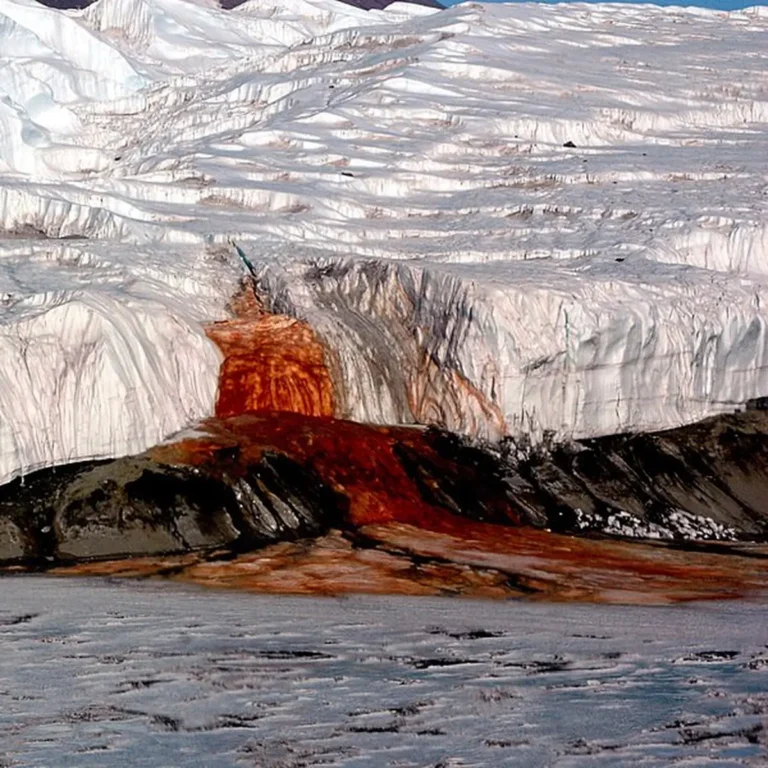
(380, 470)
(406, 528)
(410, 542)
(271, 363)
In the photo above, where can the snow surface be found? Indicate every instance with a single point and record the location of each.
(97, 674)
(398, 178)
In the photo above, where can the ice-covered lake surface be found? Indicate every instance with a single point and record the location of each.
(95, 673)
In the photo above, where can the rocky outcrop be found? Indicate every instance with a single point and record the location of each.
(293, 503)
(136, 505)
(246, 481)
(704, 481)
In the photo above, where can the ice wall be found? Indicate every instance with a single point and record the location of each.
(533, 347)
(103, 350)
(498, 218)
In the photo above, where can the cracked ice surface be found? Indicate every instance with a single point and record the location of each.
(398, 179)
(145, 674)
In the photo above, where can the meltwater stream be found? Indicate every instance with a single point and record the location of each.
(94, 673)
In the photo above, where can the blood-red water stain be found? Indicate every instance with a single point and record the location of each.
(276, 395)
(271, 363)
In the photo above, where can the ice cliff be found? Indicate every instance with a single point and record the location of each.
(496, 218)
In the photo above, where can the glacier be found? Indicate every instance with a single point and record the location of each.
(502, 220)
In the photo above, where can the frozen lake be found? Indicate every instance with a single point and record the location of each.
(94, 673)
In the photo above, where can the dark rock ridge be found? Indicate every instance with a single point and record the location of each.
(367, 5)
(264, 478)
(704, 481)
(132, 506)
(215, 493)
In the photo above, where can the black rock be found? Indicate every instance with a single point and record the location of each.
(136, 506)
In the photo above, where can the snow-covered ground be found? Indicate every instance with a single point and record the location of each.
(93, 674)
(399, 179)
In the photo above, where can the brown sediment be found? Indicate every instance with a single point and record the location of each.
(271, 363)
(406, 560)
(330, 565)
(560, 567)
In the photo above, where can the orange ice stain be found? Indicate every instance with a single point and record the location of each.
(271, 363)
(276, 395)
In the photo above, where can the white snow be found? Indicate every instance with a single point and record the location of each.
(399, 179)
(677, 524)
